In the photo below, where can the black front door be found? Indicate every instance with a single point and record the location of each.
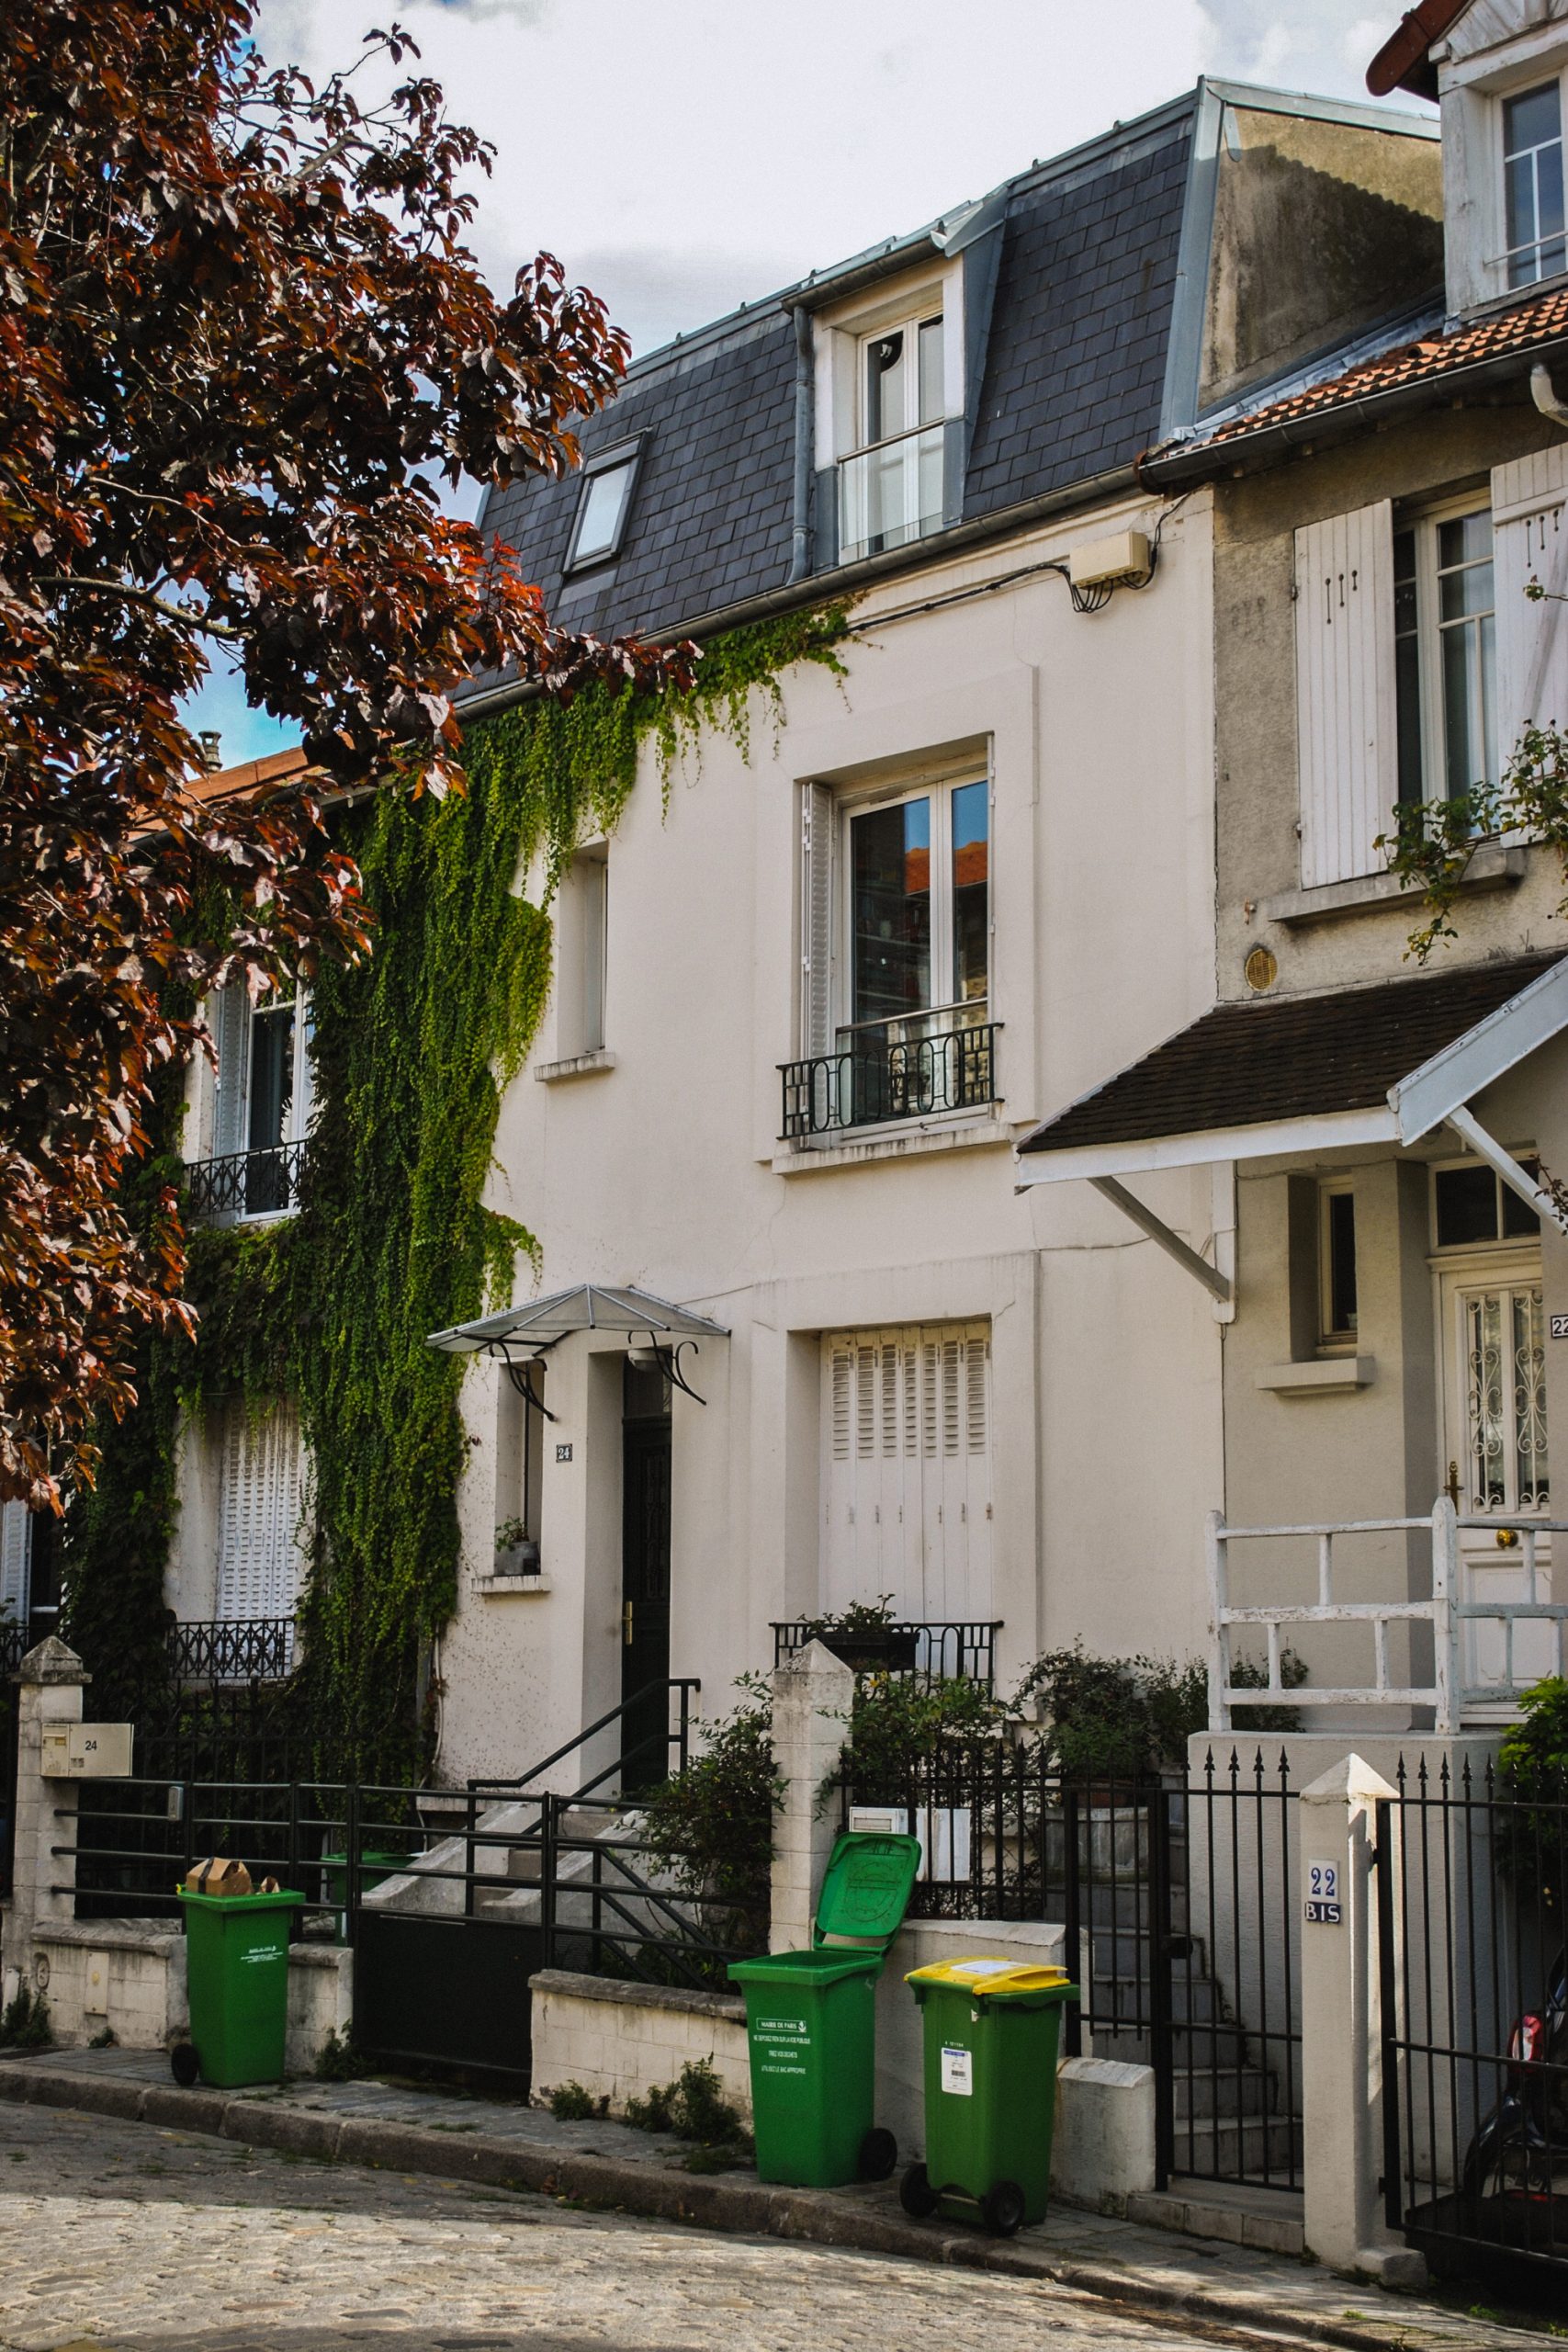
(645, 1573)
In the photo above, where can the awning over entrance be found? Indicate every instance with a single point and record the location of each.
(1281, 1075)
(587, 1306)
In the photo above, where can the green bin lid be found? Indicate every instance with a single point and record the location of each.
(866, 1891)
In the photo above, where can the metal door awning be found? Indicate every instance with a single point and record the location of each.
(1305, 1074)
(520, 1332)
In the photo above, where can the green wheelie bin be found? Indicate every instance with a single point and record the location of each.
(237, 1966)
(991, 2030)
(811, 2023)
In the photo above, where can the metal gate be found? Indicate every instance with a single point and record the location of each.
(1471, 1889)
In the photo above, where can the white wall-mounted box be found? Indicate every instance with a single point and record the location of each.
(1107, 563)
(85, 1751)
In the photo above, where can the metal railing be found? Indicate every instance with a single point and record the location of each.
(246, 1183)
(240, 1649)
(1454, 1616)
(942, 1652)
(891, 494)
(875, 1077)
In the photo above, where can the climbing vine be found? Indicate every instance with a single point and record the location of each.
(412, 1049)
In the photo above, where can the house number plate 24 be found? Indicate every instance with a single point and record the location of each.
(1322, 1895)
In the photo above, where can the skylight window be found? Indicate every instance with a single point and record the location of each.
(603, 505)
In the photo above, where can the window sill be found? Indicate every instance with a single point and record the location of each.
(576, 1066)
(862, 1148)
(1492, 868)
(1323, 1376)
(506, 1588)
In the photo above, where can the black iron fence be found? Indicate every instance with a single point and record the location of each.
(876, 1076)
(1175, 1900)
(241, 1649)
(245, 1183)
(13, 1647)
(1471, 1882)
(942, 1652)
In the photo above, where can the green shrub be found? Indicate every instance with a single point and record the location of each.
(652, 2112)
(339, 2058)
(1533, 1769)
(25, 2023)
(1252, 1674)
(571, 2104)
(897, 1720)
(107, 2040)
(1116, 1718)
(711, 1825)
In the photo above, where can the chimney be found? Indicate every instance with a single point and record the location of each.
(211, 743)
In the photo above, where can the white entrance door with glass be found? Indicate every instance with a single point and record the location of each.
(1492, 1341)
(907, 1472)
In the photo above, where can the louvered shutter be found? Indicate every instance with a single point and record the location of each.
(816, 920)
(1530, 543)
(228, 1015)
(16, 1559)
(259, 1556)
(1345, 692)
(907, 1471)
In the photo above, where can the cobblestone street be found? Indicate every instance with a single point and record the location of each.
(125, 2236)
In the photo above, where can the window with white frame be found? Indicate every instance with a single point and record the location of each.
(897, 1019)
(581, 945)
(1473, 1209)
(891, 485)
(603, 505)
(1533, 224)
(1336, 1263)
(519, 1469)
(1445, 655)
(262, 1103)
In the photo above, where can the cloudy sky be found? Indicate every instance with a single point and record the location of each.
(681, 156)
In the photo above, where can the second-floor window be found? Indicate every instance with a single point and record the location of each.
(1532, 185)
(891, 486)
(1445, 655)
(919, 912)
(262, 1103)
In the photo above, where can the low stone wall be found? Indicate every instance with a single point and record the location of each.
(127, 1976)
(618, 2040)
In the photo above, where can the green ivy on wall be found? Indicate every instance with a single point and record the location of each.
(412, 1048)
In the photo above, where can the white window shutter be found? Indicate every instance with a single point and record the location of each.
(816, 813)
(16, 1559)
(1345, 692)
(229, 1014)
(1529, 524)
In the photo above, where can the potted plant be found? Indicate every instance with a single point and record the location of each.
(865, 1637)
(517, 1553)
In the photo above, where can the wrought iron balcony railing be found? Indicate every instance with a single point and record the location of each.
(941, 1653)
(246, 1183)
(233, 1649)
(877, 1075)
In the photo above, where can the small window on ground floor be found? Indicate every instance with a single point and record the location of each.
(519, 1468)
(1336, 1263)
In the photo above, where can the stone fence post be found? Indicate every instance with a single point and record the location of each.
(812, 1695)
(49, 1682)
(1342, 2083)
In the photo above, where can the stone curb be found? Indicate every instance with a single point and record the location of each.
(712, 2202)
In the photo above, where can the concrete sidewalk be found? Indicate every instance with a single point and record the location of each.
(448, 2136)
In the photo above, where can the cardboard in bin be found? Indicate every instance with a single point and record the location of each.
(220, 1874)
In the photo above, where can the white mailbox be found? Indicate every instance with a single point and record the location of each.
(85, 1751)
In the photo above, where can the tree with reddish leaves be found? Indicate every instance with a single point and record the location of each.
(241, 345)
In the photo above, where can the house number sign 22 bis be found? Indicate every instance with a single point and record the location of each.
(1322, 1895)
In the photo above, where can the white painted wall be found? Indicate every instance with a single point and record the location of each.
(666, 1170)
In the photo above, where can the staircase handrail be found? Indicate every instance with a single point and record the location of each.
(518, 1782)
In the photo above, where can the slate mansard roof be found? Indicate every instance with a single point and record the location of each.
(1085, 282)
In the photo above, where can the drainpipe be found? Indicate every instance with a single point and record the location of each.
(800, 545)
(1544, 396)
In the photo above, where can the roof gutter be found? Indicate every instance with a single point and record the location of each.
(851, 579)
(1250, 452)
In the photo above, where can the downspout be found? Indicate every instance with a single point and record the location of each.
(1544, 396)
(800, 540)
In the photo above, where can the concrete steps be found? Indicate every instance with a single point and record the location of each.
(1268, 2219)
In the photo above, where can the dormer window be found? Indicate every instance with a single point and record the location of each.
(890, 486)
(1532, 183)
(603, 505)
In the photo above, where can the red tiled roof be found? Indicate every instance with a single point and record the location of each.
(1524, 327)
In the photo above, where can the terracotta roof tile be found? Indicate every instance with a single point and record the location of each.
(1521, 328)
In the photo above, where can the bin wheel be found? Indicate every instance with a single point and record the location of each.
(878, 2155)
(183, 2064)
(1001, 2209)
(916, 2194)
